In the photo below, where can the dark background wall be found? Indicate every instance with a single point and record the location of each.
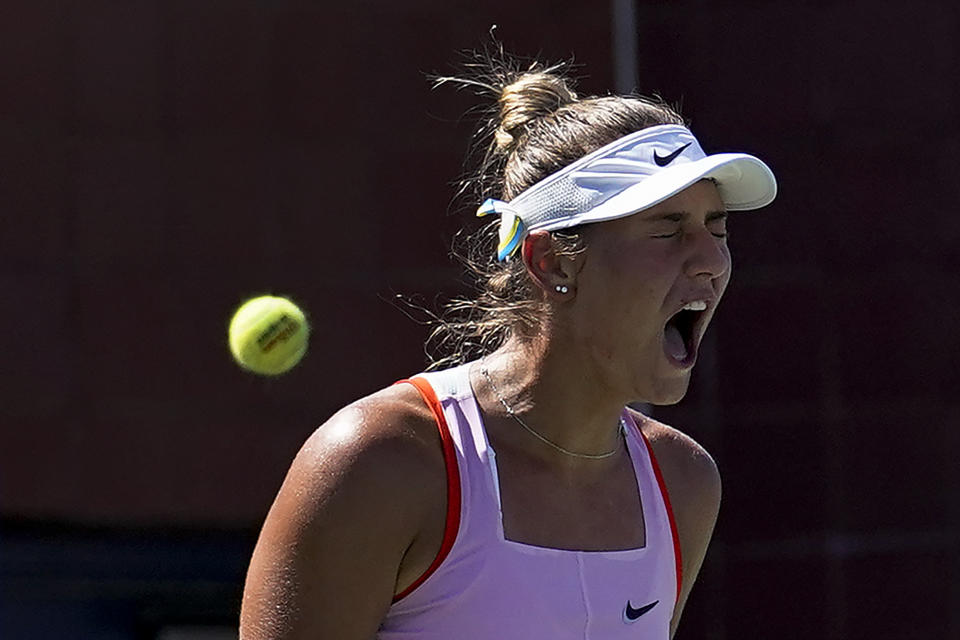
(160, 161)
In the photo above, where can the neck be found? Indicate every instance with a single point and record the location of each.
(556, 395)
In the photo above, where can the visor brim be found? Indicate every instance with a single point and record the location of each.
(744, 183)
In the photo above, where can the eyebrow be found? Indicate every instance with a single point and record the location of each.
(678, 216)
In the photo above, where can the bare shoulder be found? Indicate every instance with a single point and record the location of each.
(693, 486)
(392, 425)
(382, 451)
(384, 445)
(362, 488)
(686, 466)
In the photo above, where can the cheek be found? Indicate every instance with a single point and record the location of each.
(724, 279)
(627, 279)
(641, 265)
(651, 278)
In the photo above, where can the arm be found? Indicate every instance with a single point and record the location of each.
(353, 501)
(693, 484)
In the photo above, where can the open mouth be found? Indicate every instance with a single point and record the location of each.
(680, 336)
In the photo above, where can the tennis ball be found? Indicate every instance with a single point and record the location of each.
(268, 335)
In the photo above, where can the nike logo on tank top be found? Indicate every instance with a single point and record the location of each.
(486, 587)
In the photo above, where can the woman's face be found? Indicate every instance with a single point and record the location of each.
(639, 273)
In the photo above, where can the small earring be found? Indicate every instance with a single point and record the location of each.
(562, 288)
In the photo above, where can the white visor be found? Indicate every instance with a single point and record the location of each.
(626, 176)
(629, 175)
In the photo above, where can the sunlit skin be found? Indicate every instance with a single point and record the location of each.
(602, 345)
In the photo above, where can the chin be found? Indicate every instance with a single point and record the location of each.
(667, 392)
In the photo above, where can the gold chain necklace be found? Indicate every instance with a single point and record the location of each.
(591, 456)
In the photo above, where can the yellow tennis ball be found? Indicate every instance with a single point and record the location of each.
(268, 335)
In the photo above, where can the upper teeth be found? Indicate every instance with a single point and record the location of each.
(696, 305)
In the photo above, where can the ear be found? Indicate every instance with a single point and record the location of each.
(548, 269)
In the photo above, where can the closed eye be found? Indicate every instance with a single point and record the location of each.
(715, 234)
(717, 223)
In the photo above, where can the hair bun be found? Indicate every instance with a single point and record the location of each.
(531, 96)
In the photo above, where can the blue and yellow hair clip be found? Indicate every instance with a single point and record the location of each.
(512, 229)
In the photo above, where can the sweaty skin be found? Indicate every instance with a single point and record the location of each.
(362, 510)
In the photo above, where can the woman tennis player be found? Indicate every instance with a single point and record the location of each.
(515, 495)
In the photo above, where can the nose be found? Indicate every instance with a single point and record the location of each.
(708, 255)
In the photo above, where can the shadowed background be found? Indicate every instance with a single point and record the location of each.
(161, 161)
